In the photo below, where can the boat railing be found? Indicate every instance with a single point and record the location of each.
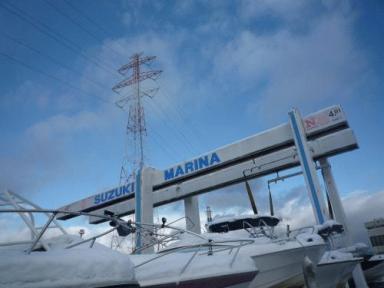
(144, 228)
(294, 232)
(223, 245)
(160, 238)
(51, 214)
(259, 231)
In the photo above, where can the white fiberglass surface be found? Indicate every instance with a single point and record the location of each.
(76, 267)
(182, 266)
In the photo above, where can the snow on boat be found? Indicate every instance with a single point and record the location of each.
(282, 266)
(79, 266)
(236, 252)
(279, 260)
(59, 261)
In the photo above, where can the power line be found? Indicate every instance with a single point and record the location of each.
(79, 11)
(53, 60)
(76, 23)
(178, 112)
(164, 147)
(92, 21)
(166, 122)
(52, 34)
(181, 151)
(15, 60)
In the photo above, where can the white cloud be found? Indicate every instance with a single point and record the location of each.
(359, 207)
(294, 69)
(29, 95)
(283, 9)
(295, 209)
(43, 152)
(61, 124)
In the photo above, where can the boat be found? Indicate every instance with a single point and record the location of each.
(66, 260)
(335, 269)
(279, 260)
(80, 266)
(373, 268)
(55, 259)
(191, 260)
(258, 262)
(206, 264)
(282, 268)
(241, 251)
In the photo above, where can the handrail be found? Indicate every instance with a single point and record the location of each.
(54, 212)
(178, 249)
(90, 239)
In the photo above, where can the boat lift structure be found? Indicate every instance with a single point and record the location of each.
(300, 142)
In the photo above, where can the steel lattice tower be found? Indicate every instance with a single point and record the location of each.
(136, 128)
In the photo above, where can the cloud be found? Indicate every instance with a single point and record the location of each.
(359, 207)
(28, 94)
(294, 69)
(233, 199)
(60, 125)
(294, 207)
(43, 151)
(284, 9)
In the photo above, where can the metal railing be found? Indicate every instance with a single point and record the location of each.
(130, 225)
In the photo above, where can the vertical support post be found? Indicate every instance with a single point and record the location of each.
(308, 166)
(333, 195)
(191, 206)
(144, 207)
(338, 210)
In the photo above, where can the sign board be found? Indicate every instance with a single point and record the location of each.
(324, 146)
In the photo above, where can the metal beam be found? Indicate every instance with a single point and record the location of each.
(192, 215)
(315, 125)
(337, 206)
(274, 141)
(308, 167)
(325, 146)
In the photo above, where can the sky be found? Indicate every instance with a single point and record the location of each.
(231, 69)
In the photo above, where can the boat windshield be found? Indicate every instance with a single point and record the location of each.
(236, 223)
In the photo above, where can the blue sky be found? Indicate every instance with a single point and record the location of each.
(230, 69)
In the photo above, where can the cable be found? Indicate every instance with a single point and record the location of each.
(76, 23)
(194, 132)
(169, 152)
(191, 147)
(179, 112)
(52, 34)
(95, 23)
(51, 76)
(165, 122)
(53, 60)
(79, 11)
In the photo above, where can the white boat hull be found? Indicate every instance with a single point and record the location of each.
(375, 270)
(335, 274)
(190, 270)
(284, 268)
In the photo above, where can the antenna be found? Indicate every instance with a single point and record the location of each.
(209, 214)
(136, 128)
